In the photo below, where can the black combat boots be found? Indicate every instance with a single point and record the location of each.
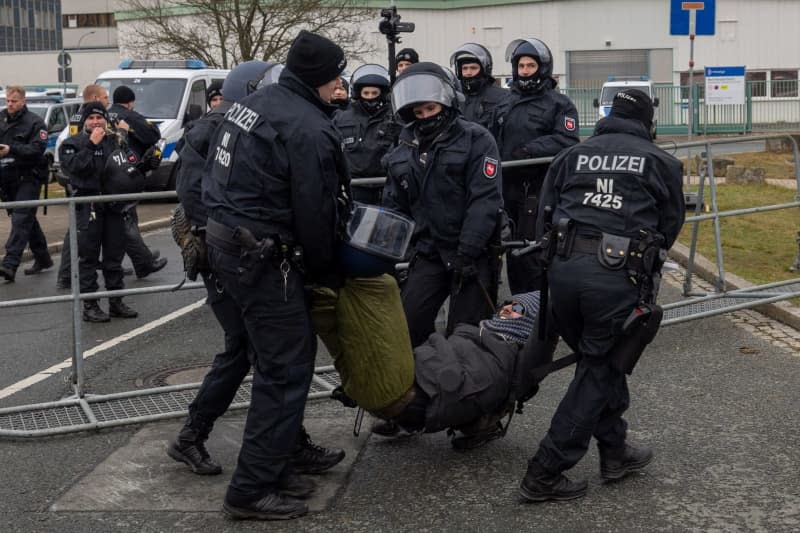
(539, 485)
(273, 506)
(189, 447)
(118, 309)
(38, 266)
(618, 463)
(309, 458)
(93, 313)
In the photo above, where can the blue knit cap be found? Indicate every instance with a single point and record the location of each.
(516, 329)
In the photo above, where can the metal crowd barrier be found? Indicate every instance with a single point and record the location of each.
(81, 412)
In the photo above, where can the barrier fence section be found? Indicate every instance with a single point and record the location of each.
(770, 106)
(81, 412)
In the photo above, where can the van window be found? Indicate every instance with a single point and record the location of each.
(156, 98)
(57, 121)
(607, 96)
(198, 95)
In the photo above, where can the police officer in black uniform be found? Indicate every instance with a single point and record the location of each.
(405, 58)
(368, 128)
(537, 121)
(98, 161)
(232, 365)
(445, 174)
(341, 96)
(473, 66)
(277, 200)
(617, 206)
(23, 171)
(142, 138)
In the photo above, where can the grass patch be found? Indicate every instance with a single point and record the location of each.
(776, 165)
(757, 247)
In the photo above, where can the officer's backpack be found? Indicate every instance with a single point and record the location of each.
(121, 174)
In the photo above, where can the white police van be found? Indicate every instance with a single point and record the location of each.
(55, 111)
(169, 93)
(617, 83)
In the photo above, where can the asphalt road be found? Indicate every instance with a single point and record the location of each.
(718, 405)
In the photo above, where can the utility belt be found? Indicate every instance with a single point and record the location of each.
(255, 255)
(614, 252)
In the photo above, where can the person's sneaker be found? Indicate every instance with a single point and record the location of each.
(157, 265)
(119, 309)
(93, 313)
(8, 273)
(273, 506)
(38, 267)
(194, 454)
(297, 486)
(63, 284)
(616, 464)
(470, 441)
(539, 485)
(310, 458)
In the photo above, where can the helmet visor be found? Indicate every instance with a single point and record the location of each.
(531, 46)
(379, 231)
(271, 76)
(373, 71)
(420, 88)
(472, 50)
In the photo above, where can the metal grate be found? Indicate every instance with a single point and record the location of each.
(141, 406)
(745, 298)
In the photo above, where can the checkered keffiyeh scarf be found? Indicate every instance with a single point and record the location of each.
(516, 329)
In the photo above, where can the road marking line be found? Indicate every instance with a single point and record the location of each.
(55, 369)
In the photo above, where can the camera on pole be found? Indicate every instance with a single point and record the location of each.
(391, 26)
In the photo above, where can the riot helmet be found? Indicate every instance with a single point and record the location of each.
(421, 83)
(472, 53)
(536, 49)
(272, 74)
(376, 239)
(244, 79)
(370, 75)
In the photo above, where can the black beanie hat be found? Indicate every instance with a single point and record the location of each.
(93, 108)
(215, 89)
(315, 59)
(123, 95)
(407, 54)
(633, 104)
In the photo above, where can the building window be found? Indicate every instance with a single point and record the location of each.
(89, 20)
(784, 83)
(758, 83)
(23, 17)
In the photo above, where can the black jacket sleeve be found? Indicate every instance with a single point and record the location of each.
(484, 195)
(549, 193)
(30, 149)
(79, 162)
(564, 133)
(673, 210)
(142, 130)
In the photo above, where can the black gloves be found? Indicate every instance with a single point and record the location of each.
(521, 152)
(464, 270)
(151, 159)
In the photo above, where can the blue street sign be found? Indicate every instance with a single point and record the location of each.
(679, 18)
(723, 72)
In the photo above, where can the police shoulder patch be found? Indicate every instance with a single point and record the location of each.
(570, 123)
(490, 167)
(43, 135)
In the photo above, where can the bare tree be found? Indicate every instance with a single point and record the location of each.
(224, 33)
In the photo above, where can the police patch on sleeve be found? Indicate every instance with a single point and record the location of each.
(43, 135)
(570, 123)
(490, 168)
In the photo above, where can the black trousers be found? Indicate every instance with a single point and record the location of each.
(229, 368)
(276, 316)
(429, 284)
(25, 229)
(524, 275)
(137, 250)
(100, 229)
(590, 304)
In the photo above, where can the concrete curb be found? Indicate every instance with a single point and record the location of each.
(55, 248)
(781, 311)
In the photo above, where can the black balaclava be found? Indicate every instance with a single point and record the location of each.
(475, 84)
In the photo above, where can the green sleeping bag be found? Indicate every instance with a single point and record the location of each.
(364, 328)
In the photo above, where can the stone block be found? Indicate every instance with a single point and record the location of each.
(739, 175)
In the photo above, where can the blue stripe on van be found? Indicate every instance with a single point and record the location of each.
(168, 149)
